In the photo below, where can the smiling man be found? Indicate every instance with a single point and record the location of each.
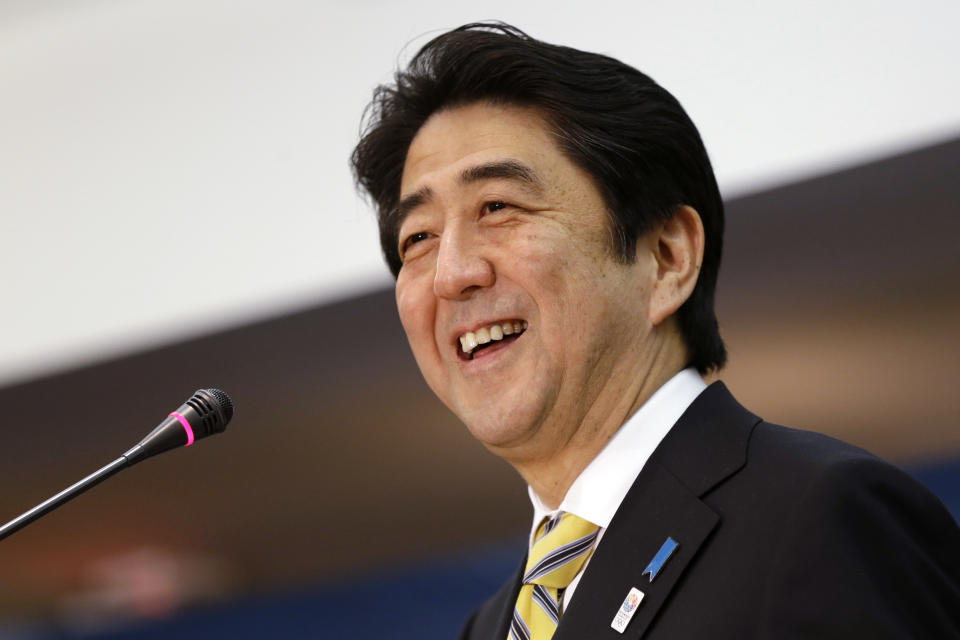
(555, 229)
(521, 317)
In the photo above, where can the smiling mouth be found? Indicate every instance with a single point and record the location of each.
(498, 333)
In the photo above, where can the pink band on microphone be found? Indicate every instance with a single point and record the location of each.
(186, 427)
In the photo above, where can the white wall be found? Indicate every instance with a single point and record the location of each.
(174, 166)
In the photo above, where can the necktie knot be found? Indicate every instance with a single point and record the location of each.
(559, 552)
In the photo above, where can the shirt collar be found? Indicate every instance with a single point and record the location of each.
(597, 492)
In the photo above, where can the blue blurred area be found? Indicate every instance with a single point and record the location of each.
(427, 601)
(943, 478)
(431, 600)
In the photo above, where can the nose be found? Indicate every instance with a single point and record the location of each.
(461, 266)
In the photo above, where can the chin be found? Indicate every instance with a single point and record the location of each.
(494, 437)
(501, 429)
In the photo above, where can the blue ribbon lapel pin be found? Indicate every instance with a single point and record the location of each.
(660, 559)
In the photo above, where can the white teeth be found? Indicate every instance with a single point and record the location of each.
(470, 340)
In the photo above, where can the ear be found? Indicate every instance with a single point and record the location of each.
(677, 246)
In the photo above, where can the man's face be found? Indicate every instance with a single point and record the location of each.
(504, 237)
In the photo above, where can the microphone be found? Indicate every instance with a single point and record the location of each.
(204, 413)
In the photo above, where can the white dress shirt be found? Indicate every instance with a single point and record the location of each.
(597, 492)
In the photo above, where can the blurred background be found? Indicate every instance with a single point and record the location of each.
(177, 212)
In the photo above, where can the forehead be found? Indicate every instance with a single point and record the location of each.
(453, 141)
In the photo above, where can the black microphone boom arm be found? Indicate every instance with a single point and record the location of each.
(64, 496)
(206, 412)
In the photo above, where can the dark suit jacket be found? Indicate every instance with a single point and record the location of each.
(782, 534)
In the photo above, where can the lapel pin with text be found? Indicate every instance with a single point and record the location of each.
(627, 609)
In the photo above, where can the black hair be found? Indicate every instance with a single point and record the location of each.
(611, 120)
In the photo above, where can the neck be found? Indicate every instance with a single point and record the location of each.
(552, 469)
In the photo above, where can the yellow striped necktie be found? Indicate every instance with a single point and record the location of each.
(562, 546)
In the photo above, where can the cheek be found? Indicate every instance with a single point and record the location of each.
(416, 311)
(537, 258)
(554, 271)
(416, 307)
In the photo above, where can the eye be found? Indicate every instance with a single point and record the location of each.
(494, 206)
(411, 240)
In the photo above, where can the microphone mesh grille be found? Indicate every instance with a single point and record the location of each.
(224, 402)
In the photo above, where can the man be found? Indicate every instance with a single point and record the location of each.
(555, 229)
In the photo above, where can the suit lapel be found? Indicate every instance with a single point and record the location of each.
(663, 508)
(707, 445)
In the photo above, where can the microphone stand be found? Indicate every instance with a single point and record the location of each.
(64, 496)
(209, 410)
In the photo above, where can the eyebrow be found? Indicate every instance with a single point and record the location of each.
(409, 203)
(497, 170)
(502, 169)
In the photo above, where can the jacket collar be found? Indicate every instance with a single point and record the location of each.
(709, 441)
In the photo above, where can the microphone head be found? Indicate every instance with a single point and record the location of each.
(204, 413)
(214, 410)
